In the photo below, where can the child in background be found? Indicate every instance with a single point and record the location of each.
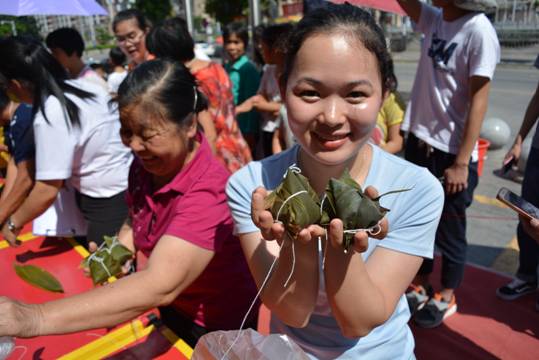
(387, 132)
(245, 80)
(351, 305)
(268, 100)
(117, 62)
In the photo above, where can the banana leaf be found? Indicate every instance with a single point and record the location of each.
(108, 260)
(294, 203)
(38, 277)
(345, 200)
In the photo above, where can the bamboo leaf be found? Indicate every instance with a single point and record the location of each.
(294, 203)
(108, 260)
(38, 277)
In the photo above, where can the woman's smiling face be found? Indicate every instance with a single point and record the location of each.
(333, 95)
(160, 144)
(131, 39)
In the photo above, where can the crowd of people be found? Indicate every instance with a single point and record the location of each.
(176, 154)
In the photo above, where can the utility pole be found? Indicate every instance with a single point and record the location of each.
(254, 7)
(189, 16)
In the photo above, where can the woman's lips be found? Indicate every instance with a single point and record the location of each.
(331, 141)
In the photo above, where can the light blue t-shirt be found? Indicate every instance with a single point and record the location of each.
(413, 220)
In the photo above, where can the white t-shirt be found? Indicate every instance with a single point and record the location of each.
(91, 157)
(413, 220)
(88, 74)
(115, 79)
(269, 88)
(452, 52)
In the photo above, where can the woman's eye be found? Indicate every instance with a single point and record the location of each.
(356, 95)
(309, 94)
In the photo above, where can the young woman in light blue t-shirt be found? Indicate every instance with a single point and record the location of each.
(349, 305)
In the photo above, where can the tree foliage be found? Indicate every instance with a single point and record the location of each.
(155, 10)
(25, 25)
(227, 11)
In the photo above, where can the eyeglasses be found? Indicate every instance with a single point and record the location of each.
(132, 37)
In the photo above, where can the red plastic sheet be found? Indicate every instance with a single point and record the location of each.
(59, 257)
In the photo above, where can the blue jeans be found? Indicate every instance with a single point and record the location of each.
(529, 249)
(451, 232)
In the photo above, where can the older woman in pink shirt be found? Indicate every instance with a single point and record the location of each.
(178, 218)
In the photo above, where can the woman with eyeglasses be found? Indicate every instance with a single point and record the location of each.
(130, 28)
(178, 218)
(76, 140)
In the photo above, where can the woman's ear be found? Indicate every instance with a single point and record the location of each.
(193, 126)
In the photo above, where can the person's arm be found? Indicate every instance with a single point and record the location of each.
(22, 184)
(9, 180)
(363, 294)
(40, 198)
(531, 227)
(412, 8)
(294, 303)
(173, 265)
(394, 139)
(125, 235)
(260, 103)
(245, 106)
(205, 120)
(531, 116)
(276, 145)
(456, 176)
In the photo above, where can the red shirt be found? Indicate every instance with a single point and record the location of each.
(193, 207)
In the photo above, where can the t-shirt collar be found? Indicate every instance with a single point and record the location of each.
(192, 171)
(240, 62)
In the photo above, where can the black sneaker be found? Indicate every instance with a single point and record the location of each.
(417, 296)
(435, 311)
(516, 289)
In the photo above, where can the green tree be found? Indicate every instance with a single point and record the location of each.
(155, 10)
(103, 36)
(227, 11)
(25, 25)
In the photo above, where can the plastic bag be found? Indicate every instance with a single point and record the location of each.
(6, 347)
(250, 345)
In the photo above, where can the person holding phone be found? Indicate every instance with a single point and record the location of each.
(525, 281)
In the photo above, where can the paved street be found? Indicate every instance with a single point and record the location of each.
(491, 227)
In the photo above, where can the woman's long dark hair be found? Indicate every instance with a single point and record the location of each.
(26, 60)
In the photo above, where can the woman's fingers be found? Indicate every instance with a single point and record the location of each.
(262, 218)
(336, 233)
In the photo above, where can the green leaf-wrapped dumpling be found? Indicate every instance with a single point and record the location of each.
(345, 200)
(294, 203)
(107, 261)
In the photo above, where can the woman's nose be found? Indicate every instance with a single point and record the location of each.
(334, 111)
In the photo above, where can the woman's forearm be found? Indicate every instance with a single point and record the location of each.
(358, 305)
(15, 197)
(103, 306)
(40, 198)
(294, 303)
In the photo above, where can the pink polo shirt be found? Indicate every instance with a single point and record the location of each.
(193, 207)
